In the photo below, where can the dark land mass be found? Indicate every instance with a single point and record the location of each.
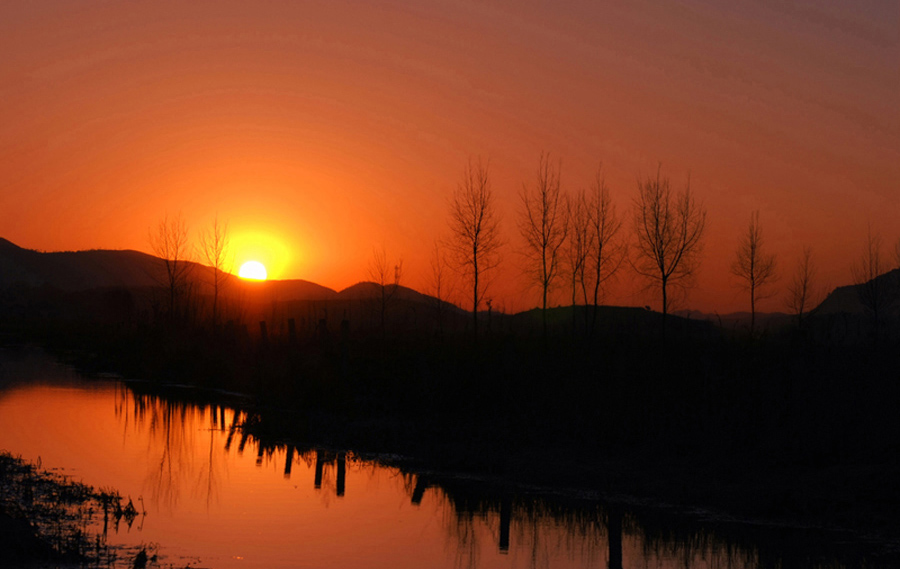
(797, 425)
(43, 517)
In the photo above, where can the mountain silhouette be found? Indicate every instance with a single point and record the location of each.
(367, 290)
(846, 298)
(75, 271)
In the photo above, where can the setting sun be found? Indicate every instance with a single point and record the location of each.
(249, 244)
(253, 270)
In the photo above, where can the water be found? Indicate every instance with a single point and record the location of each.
(217, 498)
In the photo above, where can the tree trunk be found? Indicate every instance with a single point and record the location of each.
(475, 305)
(752, 310)
(665, 308)
(544, 314)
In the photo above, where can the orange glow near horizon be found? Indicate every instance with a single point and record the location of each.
(319, 132)
(263, 249)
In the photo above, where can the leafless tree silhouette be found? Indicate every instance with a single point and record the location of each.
(802, 295)
(669, 230)
(214, 245)
(577, 248)
(475, 239)
(606, 251)
(387, 279)
(754, 267)
(170, 243)
(873, 292)
(543, 225)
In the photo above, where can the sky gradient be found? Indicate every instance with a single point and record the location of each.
(322, 130)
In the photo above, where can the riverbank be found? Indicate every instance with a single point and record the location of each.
(772, 431)
(853, 505)
(47, 519)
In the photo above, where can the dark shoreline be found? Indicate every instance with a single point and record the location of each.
(735, 490)
(777, 431)
(43, 516)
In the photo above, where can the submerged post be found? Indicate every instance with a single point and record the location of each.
(231, 430)
(505, 520)
(419, 490)
(320, 465)
(288, 461)
(614, 535)
(341, 473)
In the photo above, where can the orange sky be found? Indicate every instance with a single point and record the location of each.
(321, 130)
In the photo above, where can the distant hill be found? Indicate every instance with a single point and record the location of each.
(76, 270)
(366, 289)
(842, 300)
(846, 298)
(296, 289)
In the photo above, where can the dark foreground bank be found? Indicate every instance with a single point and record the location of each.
(780, 429)
(50, 520)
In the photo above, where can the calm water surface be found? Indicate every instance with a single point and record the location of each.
(219, 499)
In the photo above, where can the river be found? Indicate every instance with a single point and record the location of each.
(215, 497)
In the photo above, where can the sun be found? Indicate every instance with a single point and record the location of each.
(253, 270)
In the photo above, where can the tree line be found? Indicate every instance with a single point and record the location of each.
(578, 240)
(581, 236)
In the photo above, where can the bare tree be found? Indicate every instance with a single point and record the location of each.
(474, 231)
(802, 296)
(577, 248)
(170, 243)
(669, 230)
(214, 245)
(387, 279)
(873, 291)
(606, 250)
(543, 226)
(754, 267)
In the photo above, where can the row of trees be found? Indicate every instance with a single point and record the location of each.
(170, 241)
(576, 236)
(580, 236)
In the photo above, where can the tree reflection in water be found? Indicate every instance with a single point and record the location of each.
(533, 527)
(169, 427)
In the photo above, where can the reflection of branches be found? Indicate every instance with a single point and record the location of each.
(462, 530)
(691, 549)
(172, 447)
(536, 531)
(588, 534)
(209, 469)
(169, 428)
